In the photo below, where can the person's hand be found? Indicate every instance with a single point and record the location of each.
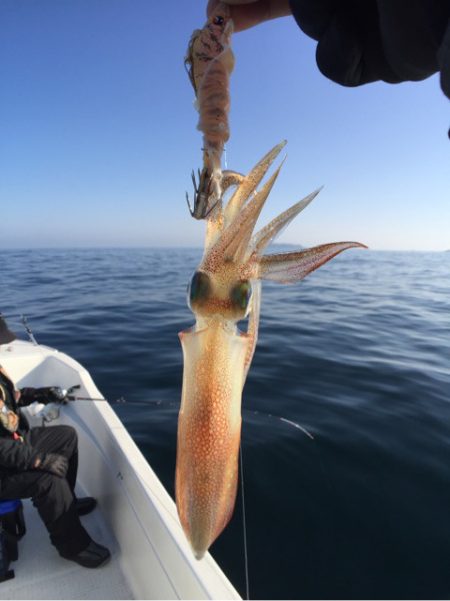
(53, 463)
(248, 13)
(8, 418)
(44, 395)
(13, 421)
(16, 395)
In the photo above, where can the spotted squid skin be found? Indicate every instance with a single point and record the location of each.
(209, 429)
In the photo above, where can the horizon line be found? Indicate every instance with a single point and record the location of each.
(191, 247)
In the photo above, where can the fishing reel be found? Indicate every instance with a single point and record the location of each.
(64, 394)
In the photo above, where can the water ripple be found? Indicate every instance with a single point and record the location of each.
(356, 355)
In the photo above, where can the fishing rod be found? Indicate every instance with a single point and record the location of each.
(24, 322)
(28, 330)
(89, 398)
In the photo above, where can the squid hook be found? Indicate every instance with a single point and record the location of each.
(202, 193)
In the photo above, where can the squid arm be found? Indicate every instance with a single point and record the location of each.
(294, 266)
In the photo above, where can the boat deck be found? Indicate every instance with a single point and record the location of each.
(40, 573)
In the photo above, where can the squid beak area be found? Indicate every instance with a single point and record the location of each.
(209, 430)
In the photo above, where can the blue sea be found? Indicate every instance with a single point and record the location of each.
(346, 410)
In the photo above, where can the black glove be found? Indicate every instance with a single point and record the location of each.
(45, 395)
(53, 463)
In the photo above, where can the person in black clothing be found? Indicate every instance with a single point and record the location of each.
(361, 41)
(42, 463)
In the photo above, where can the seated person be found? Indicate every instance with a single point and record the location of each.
(41, 463)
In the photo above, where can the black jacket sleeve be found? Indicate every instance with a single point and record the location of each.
(360, 41)
(15, 454)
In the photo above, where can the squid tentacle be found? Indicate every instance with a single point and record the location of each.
(273, 229)
(287, 268)
(250, 182)
(234, 239)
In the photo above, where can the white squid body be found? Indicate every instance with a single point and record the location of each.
(224, 290)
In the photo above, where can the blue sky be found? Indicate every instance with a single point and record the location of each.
(98, 132)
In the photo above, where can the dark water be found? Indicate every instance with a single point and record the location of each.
(358, 354)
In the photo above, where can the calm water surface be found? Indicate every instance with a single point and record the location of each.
(357, 354)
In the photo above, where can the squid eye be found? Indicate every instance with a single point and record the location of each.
(199, 288)
(218, 20)
(241, 294)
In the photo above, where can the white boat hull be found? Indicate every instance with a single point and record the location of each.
(151, 549)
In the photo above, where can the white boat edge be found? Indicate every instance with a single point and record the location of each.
(153, 552)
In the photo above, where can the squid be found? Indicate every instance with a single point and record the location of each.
(223, 294)
(225, 290)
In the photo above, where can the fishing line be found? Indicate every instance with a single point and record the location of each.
(327, 477)
(244, 526)
(160, 403)
(298, 426)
